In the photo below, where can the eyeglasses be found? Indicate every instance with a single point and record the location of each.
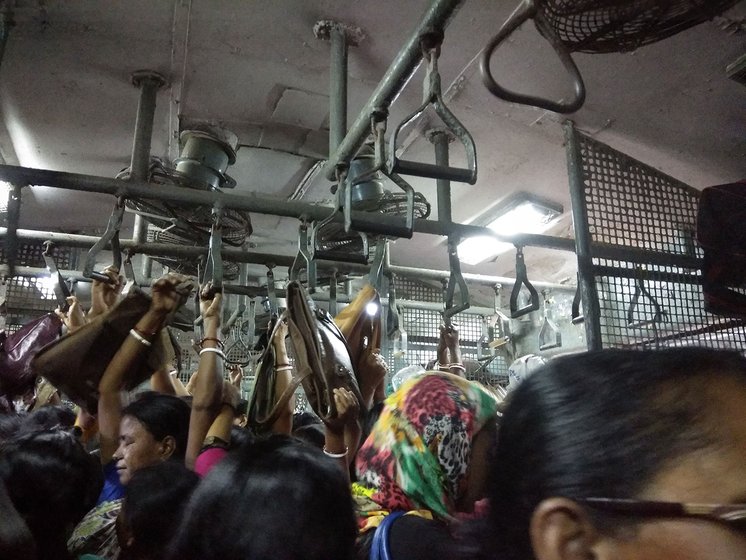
(732, 515)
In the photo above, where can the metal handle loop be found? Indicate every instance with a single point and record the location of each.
(455, 279)
(110, 235)
(432, 96)
(521, 279)
(577, 317)
(549, 334)
(376, 267)
(642, 291)
(61, 289)
(304, 259)
(333, 293)
(526, 10)
(214, 263)
(271, 293)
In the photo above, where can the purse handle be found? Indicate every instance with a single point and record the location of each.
(379, 548)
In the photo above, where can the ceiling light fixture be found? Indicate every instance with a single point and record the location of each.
(4, 195)
(521, 213)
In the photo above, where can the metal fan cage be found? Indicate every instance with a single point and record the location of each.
(606, 26)
(191, 224)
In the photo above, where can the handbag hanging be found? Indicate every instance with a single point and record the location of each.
(264, 406)
(76, 362)
(19, 348)
(322, 358)
(360, 323)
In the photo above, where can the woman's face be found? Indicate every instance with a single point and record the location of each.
(713, 476)
(137, 448)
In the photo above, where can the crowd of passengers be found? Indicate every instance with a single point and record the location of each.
(617, 454)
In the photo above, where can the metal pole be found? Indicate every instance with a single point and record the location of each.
(338, 87)
(586, 278)
(440, 140)
(396, 77)
(149, 83)
(6, 22)
(14, 216)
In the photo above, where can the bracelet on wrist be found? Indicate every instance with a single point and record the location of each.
(336, 455)
(213, 339)
(217, 351)
(134, 333)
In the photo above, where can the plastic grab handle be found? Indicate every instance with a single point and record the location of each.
(527, 10)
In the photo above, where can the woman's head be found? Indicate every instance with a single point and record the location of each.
(419, 453)
(153, 508)
(276, 498)
(154, 428)
(653, 425)
(52, 483)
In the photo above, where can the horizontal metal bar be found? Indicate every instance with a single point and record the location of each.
(648, 275)
(364, 221)
(393, 82)
(707, 329)
(433, 171)
(644, 256)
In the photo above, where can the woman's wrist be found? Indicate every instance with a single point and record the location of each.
(151, 323)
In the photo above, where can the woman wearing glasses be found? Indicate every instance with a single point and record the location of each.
(620, 455)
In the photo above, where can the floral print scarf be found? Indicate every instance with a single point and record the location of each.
(417, 455)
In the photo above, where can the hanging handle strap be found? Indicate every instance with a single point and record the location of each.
(549, 334)
(378, 129)
(376, 267)
(521, 280)
(61, 289)
(129, 274)
(110, 236)
(642, 291)
(577, 317)
(304, 260)
(526, 10)
(333, 293)
(432, 97)
(455, 280)
(214, 263)
(271, 293)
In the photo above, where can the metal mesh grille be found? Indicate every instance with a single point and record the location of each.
(599, 26)
(633, 205)
(28, 298)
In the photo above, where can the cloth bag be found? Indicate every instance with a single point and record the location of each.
(322, 358)
(18, 349)
(76, 362)
(720, 231)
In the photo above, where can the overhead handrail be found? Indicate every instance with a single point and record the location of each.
(642, 291)
(521, 280)
(333, 293)
(432, 96)
(110, 235)
(455, 280)
(376, 268)
(577, 317)
(61, 289)
(378, 130)
(549, 334)
(527, 9)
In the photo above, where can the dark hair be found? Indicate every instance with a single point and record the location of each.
(9, 425)
(47, 418)
(242, 408)
(598, 424)
(312, 434)
(275, 498)
(240, 436)
(153, 507)
(301, 419)
(16, 541)
(163, 416)
(52, 483)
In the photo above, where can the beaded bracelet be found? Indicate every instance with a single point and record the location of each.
(336, 455)
(140, 338)
(217, 351)
(216, 340)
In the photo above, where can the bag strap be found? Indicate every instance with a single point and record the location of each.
(379, 548)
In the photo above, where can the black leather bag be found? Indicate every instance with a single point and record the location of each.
(722, 235)
(322, 358)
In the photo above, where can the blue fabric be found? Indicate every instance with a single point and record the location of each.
(379, 549)
(113, 489)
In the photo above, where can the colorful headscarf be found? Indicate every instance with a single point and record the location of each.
(417, 456)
